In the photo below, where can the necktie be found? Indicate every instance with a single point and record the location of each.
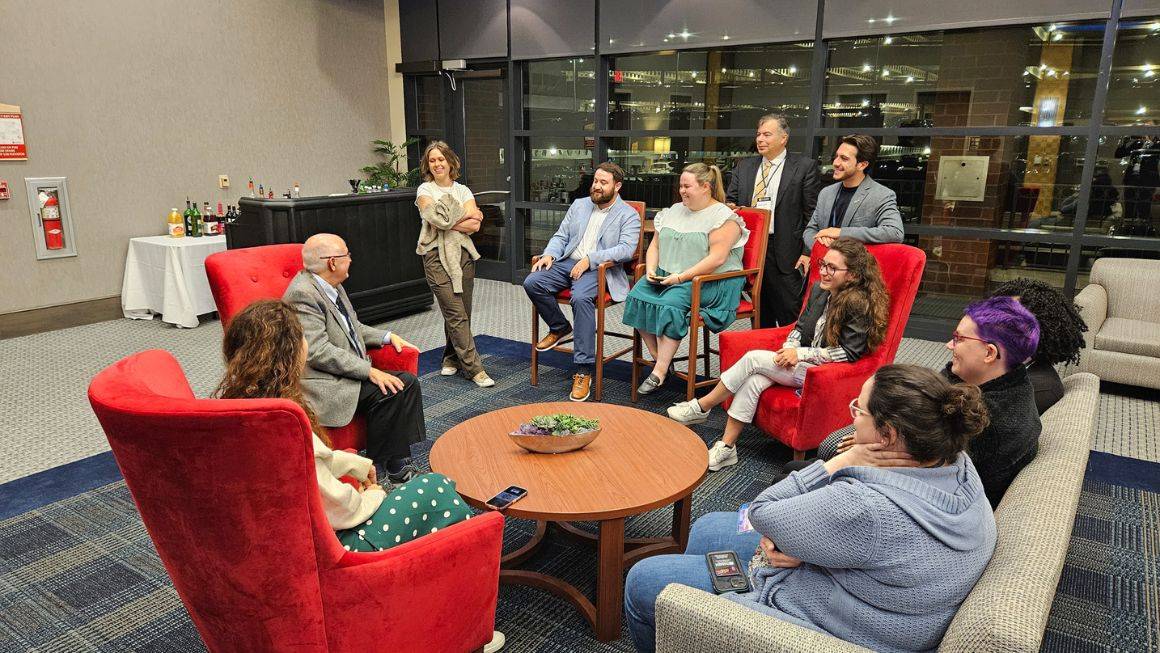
(349, 325)
(759, 189)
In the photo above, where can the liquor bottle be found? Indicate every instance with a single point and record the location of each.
(297, 191)
(188, 218)
(212, 223)
(195, 222)
(251, 187)
(220, 215)
(271, 194)
(176, 224)
(261, 191)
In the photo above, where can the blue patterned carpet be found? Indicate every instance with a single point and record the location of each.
(78, 572)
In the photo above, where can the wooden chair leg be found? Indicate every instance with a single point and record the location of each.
(635, 357)
(708, 354)
(599, 349)
(535, 339)
(799, 455)
(691, 377)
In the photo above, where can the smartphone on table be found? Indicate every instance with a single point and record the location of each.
(506, 498)
(726, 572)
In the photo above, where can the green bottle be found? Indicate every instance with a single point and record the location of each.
(187, 217)
(195, 221)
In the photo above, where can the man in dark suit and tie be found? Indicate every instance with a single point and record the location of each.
(786, 184)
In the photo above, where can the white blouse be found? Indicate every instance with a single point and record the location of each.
(345, 506)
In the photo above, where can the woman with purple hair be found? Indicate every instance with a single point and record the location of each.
(990, 348)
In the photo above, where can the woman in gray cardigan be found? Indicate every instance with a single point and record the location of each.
(878, 546)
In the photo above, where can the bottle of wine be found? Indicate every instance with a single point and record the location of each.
(251, 187)
(195, 222)
(207, 221)
(176, 224)
(297, 191)
(261, 191)
(187, 218)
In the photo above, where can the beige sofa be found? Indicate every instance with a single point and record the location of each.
(1121, 306)
(1006, 611)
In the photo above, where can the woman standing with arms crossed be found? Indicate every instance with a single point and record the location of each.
(450, 216)
(698, 235)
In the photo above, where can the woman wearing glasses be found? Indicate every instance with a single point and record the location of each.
(844, 318)
(878, 546)
(989, 349)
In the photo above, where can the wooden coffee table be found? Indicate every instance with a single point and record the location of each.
(640, 461)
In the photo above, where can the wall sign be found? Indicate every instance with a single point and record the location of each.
(12, 147)
(5, 194)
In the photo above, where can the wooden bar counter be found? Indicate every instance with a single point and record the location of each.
(381, 229)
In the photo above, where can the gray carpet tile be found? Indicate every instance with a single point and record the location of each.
(46, 420)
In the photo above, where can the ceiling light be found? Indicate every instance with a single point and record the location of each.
(672, 36)
(865, 102)
(685, 34)
(552, 150)
(926, 150)
(870, 20)
(909, 79)
(1058, 36)
(865, 67)
(725, 38)
(793, 70)
(890, 20)
(722, 70)
(885, 73)
(1141, 111)
(887, 41)
(694, 74)
(751, 73)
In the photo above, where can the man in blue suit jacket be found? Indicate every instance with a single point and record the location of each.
(597, 228)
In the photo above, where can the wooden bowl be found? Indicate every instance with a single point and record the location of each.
(554, 443)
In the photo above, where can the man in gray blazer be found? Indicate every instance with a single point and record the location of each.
(858, 207)
(339, 379)
(597, 228)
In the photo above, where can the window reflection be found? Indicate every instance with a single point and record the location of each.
(653, 165)
(1133, 91)
(560, 94)
(539, 225)
(1029, 182)
(1042, 75)
(555, 168)
(709, 89)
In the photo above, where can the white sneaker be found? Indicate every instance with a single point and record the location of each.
(496, 643)
(449, 371)
(687, 412)
(483, 380)
(721, 455)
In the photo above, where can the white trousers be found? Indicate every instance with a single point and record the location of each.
(750, 376)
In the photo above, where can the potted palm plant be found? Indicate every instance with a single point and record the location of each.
(392, 171)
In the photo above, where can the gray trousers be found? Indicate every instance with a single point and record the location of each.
(750, 376)
(456, 308)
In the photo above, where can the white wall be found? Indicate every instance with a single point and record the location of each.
(143, 102)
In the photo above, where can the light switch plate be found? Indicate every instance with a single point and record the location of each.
(223, 181)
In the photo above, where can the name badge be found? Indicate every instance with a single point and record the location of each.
(764, 203)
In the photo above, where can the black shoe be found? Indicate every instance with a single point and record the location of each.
(405, 474)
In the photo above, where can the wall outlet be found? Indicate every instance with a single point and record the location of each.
(223, 181)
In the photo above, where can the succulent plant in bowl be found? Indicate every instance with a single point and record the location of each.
(556, 433)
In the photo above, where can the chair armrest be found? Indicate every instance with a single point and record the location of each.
(692, 621)
(1093, 308)
(386, 358)
(735, 344)
(435, 593)
(695, 306)
(638, 272)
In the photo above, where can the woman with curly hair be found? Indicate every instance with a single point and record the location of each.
(1061, 332)
(265, 354)
(844, 318)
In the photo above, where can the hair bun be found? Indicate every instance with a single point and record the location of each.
(964, 411)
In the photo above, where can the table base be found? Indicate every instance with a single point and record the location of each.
(615, 554)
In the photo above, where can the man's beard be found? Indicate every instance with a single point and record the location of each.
(598, 198)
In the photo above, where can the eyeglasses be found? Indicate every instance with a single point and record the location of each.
(830, 268)
(347, 255)
(855, 409)
(957, 339)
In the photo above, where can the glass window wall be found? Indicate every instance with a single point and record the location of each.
(709, 89)
(560, 94)
(1038, 75)
(1134, 88)
(653, 164)
(556, 168)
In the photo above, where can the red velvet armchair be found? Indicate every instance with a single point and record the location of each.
(803, 422)
(228, 493)
(239, 277)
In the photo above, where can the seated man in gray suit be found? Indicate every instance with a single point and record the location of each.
(339, 379)
(859, 207)
(597, 228)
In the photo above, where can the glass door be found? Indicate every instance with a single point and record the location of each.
(480, 100)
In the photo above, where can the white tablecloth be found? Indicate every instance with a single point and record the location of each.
(167, 276)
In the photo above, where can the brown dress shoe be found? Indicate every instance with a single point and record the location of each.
(551, 340)
(581, 387)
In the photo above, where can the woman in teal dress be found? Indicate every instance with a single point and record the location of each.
(699, 235)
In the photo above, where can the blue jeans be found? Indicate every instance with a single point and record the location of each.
(542, 286)
(716, 531)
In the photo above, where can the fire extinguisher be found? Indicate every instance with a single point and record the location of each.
(50, 218)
